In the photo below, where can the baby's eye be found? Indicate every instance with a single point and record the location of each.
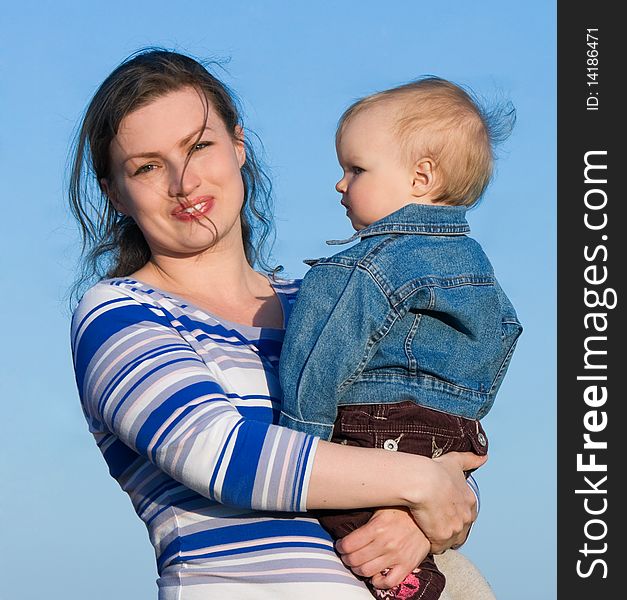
(356, 170)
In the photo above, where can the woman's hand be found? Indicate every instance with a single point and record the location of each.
(390, 541)
(435, 490)
(447, 506)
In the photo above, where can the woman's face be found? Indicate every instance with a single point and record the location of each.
(182, 209)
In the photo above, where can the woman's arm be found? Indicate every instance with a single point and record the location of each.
(435, 490)
(390, 542)
(143, 386)
(143, 383)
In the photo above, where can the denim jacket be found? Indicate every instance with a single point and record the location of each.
(411, 312)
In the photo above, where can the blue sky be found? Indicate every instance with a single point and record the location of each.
(67, 530)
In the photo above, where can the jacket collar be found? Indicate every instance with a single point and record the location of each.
(416, 219)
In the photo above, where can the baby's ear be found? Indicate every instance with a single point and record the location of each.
(423, 175)
(109, 191)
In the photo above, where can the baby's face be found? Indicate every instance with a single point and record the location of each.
(376, 181)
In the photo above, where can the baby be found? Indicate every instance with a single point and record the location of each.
(402, 340)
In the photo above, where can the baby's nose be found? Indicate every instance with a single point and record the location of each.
(340, 186)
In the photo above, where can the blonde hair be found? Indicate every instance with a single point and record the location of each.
(439, 119)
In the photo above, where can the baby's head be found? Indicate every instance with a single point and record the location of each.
(426, 142)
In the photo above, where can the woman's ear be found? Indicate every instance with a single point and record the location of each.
(240, 148)
(109, 191)
(423, 181)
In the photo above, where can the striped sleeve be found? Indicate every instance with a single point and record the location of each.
(474, 486)
(141, 381)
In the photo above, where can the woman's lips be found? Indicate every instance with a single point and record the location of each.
(193, 209)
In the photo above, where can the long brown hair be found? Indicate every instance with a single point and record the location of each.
(113, 244)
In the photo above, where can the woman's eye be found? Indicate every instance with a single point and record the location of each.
(145, 169)
(200, 146)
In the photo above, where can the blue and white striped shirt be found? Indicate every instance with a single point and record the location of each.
(182, 405)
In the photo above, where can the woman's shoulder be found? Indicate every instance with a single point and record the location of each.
(115, 287)
(288, 288)
(111, 293)
(284, 284)
(113, 305)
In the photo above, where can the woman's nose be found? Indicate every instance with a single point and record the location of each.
(183, 180)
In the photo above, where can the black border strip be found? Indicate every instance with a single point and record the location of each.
(592, 339)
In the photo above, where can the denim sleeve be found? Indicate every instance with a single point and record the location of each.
(334, 326)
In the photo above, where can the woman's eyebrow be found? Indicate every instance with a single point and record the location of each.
(141, 155)
(197, 133)
(184, 141)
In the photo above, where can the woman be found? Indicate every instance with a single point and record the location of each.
(176, 354)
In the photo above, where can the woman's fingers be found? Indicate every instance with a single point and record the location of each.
(469, 461)
(371, 568)
(462, 461)
(356, 540)
(390, 541)
(389, 578)
(389, 532)
(446, 516)
(359, 558)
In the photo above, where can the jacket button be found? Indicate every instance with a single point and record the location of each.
(481, 439)
(390, 445)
